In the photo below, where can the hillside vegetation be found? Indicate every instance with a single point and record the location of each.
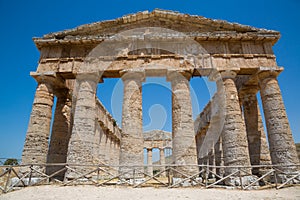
(298, 149)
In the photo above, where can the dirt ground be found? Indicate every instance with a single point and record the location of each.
(108, 193)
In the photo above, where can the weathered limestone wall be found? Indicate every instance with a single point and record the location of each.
(109, 137)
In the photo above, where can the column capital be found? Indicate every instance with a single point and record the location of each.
(176, 75)
(133, 75)
(267, 74)
(94, 76)
(249, 90)
(50, 78)
(228, 74)
(216, 75)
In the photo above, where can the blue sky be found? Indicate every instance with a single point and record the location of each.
(22, 20)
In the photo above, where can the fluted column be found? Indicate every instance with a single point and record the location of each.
(61, 132)
(162, 160)
(281, 143)
(234, 138)
(149, 162)
(82, 143)
(131, 146)
(36, 143)
(257, 142)
(183, 136)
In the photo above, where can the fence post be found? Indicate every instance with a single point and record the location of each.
(206, 175)
(98, 173)
(168, 174)
(275, 176)
(240, 176)
(133, 175)
(30, 176)
(7, 180)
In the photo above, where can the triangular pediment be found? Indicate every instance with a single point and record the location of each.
(184, 23)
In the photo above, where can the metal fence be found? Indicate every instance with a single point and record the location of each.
(16, 177)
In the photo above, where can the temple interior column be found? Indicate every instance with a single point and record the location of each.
(183, 136)
(149, 162)
(200, 155)
(36, 143)
(61, 132)
(107, 148)
(257, 142)
(234, 137)
(132, 142)
(102, 145)
(82, 142)
(212, 162)
(115, 154)
(281, 143)
(219, 157)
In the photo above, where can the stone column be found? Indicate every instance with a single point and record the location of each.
(183, 136)
(61, 132)
(108, 148)
(281, 143)
(118, 152)
(162, 160)
(257, 142)
(115, 154)
(82, 142)
(102, 145)
(149, 162)
(212, 162)
(113, 150)
(110, 152)
(219, 157)
(234, 137)
(36, 143)
(131, 146)
(112, 147)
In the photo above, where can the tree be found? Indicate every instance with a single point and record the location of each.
(11, 161)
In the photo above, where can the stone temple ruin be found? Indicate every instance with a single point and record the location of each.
(228, 132)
